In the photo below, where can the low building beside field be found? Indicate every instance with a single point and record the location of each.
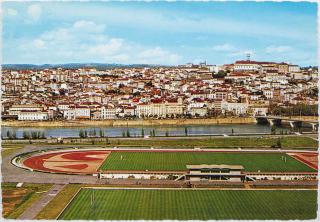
(201, 172)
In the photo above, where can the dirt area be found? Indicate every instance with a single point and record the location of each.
(13, 197)
(310, 159)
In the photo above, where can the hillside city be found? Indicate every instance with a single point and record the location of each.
(242, 88)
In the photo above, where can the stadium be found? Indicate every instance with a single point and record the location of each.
(178, 164)
(160, 177)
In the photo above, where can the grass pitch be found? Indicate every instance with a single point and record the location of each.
(191, 205)
(252, 162)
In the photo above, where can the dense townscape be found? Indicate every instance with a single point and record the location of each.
(243, 88)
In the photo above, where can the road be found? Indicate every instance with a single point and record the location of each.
(31, 212)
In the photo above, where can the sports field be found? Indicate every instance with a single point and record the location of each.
(99, 204)
(252, 162)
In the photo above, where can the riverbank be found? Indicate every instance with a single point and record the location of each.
(140, 122)
(245, 141)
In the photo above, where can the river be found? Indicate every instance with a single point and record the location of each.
(137, 131)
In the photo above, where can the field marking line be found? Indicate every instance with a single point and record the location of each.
(97, 169)
(65, 207)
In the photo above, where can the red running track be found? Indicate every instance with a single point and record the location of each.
(78, 162)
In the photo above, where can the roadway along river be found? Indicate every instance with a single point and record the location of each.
(136, 131)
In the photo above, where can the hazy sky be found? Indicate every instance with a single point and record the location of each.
(159, 32)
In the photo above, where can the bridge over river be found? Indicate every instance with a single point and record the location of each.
(295, 121)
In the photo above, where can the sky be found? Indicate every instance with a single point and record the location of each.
(167, 33)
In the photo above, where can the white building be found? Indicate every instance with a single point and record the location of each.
(108, 112)
(268, 93)
(236, 108)
(294, 68)
(16, 109)
(32, 115)
(77, 113)
(246, 66)
(160, 109)
(259, 111)
(198, 111)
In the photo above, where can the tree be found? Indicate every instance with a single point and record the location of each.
(153, 133)
(9, 134)
(128, 133)
(34, 135)
(101, 133)
(81, 134)
(232, 131)
(94, 133)
(273, 130)
(123, 134)
(220, 74)
(24, 135)
(85, 134)
(107, 140)
(167, 133)
(142, 132)
(14, 134)
(279, 145)
(186, 131)
(294, 110)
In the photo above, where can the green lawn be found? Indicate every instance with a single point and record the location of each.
(191, 205)
(55, 206)
(252, 162)
(8, 149)
(286, 142)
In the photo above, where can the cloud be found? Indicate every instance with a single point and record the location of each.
(278, 49)
(34, 11)
(110, 47)
(39, 44)
(157, 55)
(86, 41)
(181, 21)
(241, 53)
(88, 26)
(12, 12)
(224, 48)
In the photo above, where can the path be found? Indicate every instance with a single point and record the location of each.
(34, 209)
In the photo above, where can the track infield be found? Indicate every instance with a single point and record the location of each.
(139, 204)
(176, 161)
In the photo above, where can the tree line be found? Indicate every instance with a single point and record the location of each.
(152, 133)
(296, 110)
(11, 135)
(91, 133)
